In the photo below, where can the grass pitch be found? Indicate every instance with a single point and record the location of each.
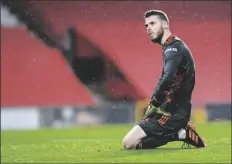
(102, 144)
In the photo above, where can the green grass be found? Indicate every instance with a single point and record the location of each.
(103, 144)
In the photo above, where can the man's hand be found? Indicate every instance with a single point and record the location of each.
(150, 112)
(154, 111)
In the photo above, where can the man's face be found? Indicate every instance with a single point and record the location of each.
(154, 27)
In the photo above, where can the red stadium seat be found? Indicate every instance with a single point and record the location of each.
(34, 75)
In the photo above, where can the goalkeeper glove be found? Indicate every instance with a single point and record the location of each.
(155, 111)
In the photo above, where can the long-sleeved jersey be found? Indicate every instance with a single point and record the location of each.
(174, 89)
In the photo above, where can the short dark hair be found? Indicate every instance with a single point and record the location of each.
(162, 15)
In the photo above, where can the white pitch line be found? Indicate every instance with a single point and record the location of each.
(84, 139)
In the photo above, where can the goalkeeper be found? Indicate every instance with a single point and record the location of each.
(167, 117)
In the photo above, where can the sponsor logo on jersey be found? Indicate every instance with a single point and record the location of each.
(171, 49)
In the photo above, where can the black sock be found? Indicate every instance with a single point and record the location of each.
(172, 137)
(150, 143)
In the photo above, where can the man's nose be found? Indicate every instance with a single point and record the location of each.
(148, 29)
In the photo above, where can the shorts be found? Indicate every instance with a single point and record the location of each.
(163, 126)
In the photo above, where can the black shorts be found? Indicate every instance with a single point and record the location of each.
(162, 126)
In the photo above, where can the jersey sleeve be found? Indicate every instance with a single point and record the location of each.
(172, 59)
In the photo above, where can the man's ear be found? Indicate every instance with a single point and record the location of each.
(165, 25)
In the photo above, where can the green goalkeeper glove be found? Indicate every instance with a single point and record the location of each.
(154, 111)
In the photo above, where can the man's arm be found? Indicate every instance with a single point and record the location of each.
(172, 59)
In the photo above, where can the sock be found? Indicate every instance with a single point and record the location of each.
(171, 137)
(150, 143)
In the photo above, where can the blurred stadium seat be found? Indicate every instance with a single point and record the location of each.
(33, 75)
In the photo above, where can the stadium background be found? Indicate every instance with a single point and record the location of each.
(72, 63)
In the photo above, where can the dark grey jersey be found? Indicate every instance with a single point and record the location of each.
(174, 89)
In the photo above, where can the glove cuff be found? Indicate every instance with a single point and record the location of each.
(154, 102)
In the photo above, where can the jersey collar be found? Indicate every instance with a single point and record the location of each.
(169, 40)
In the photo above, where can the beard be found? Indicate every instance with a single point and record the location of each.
(159, 37)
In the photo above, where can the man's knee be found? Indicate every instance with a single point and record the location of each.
(133, 137)
(128, 142)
